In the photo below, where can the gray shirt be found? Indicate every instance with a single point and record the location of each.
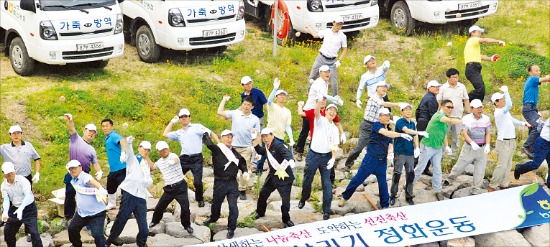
(16, 191)
(20, 156)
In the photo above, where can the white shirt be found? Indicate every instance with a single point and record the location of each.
(332, 42)
(367, 81)
(545, 132)
(277, 119)
(325, 134)
(171, 173)
(138, 176)
(505, 124)
(16, 191)
(318, 88)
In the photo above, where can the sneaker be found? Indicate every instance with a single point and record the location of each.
(299, 156)
(439, 196)
(242, 196)
(342, 202)
(527, 152)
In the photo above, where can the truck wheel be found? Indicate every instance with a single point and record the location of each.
(401, 18)
(98, 64)
(21, 63)
(147, 48)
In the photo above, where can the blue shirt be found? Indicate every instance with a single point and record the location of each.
(400, 145)
(241, 126)
(190, 139)
(112, 144)
(531, 90)
(259, 101)
(378, 144)
(87, 204)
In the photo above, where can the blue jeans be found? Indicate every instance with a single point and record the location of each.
(131, 204)
(434, 155)
(530, 113)
(96, 222)
(541, 152)
(317, 161)
(371, 165)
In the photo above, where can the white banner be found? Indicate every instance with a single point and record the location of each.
(508, 209)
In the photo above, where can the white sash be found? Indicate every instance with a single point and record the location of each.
(330, 136)
(90, 191)
(228, 154)
(279, 168)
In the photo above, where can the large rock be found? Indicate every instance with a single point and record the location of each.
(202, 233)
(461, 242)
(129, 233)
(175, 229)
(63, 237)
(538, 235)
(348, 208)
(46, 238)
(164, 240)
(158, 229)
(504, 238)
(239, 232)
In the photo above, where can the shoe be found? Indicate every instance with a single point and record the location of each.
(439, 196)
(153, 224)
(299, 156)
(392, 200)
(301, 204)
(242, 196)
(516, 173)
(326, 216)
(342, 202)
(527, 152)
(29, 239)
(189, 229)
(490, 189)
(201, 204)
(410, 201)
(288, 224)
(207, 221)
(446, 183)
(427, 172)
(230, 234)
(257, 216)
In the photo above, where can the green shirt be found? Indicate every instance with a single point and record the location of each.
(437, 131)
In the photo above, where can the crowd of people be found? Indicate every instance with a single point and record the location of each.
(243, 149)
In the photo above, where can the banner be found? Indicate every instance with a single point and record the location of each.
(502, 210)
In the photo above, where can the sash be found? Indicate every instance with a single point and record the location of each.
(228, 154)
(146, 170)
(279, 168)
(90, 191)
(330, 137)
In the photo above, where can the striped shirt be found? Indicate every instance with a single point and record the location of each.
(171, 173)
(16, 191)
(20, 156)
(373, 105)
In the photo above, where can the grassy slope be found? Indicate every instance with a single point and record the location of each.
(146, 96)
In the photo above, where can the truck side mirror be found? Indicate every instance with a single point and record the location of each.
(28, 5)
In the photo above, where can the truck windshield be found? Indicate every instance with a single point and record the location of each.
(75, 4)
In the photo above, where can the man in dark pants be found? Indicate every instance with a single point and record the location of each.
(190, 139)
(175, 188)
(280, 175)
(426, 109)
(227, 162)
(542, 152)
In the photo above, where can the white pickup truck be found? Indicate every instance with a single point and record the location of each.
(182, 25)
(61, 32)
(404, 14)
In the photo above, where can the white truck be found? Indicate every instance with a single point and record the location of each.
(61, 32)
(182, 25)
(294, 15)
(404, 14)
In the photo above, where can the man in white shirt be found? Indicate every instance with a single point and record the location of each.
(370, 78)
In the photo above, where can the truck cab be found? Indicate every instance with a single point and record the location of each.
(60, 32)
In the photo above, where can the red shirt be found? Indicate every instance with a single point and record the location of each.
(310, 116)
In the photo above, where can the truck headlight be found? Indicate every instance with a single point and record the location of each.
(373, 2)
(240, 13)
(118, 26)
(47, 31)
(175, 18)
(315, 5)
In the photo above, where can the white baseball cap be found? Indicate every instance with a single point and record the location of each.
(145, 144)
(338, 19)
(324, 68)
(8, 167)
(280, 91)
(91, 126)
(161, 145)
(367, 58)
(15, 128)
(496, 96)
(382, 84)
(332, 106)
(384, 111)
(476, 103)
(267, 131)
(433, 83)
(72, 163)
(226, 132)
(184, 111)
(245, 80)
(403, 106)
(475, 28)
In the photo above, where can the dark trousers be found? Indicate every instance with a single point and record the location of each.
(541, 153)
(265, 192)
(531, 115)
(194, 163)
(371, 165)
(317, 161)
(364, 138)
(131, 204)
(177, 191)
(223, 189)
(29, 220)
(300, 145)
(473, 74)
(408, 162)
(96, 222)
(114, 179)
(70, 197)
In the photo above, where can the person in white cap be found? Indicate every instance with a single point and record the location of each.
(227, 162)
(260, 101)
(18, 206)
(280, 175)
(175, 186)
(244, 127)
(115, 146)
(375, 161)
(374, 104)
(370, 78)
(90, 202)
(542, 152)
(506, 138)
(334, 39)
(477, 145)
(80, 149)
(190, 139)
(135, 193)
(431, 149)
(424, 112)
(473, 58)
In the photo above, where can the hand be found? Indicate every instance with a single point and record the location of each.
(175, 120)
(406, 137)
(98, 175)
(337, 63)
(5, 217)
(358, 103)
(103, 191)
(448, 150)
(36, 177)
(291, 143)
(276, 83)
(526, 124)
(504, 89)
(340, 102)
(343, 138)
(246, 176)
(390, 159)
(292, 164)
(19, 213)
(501, 43)
(416, 152)
(226, 98)
(487, 148)
(300, 103)
(130, 139)
(69, 117)
(253, 133)
(495, 58)
(424, 134)
(474, 145)
(123, 157)
(330, 163)
(386, 66)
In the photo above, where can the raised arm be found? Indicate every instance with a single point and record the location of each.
(301, 112)
(70, 124)
(168, 128)
(221, 107)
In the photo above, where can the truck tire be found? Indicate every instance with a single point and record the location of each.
(98, 64)
(401, 19)
(21, 63)
(147, 48)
